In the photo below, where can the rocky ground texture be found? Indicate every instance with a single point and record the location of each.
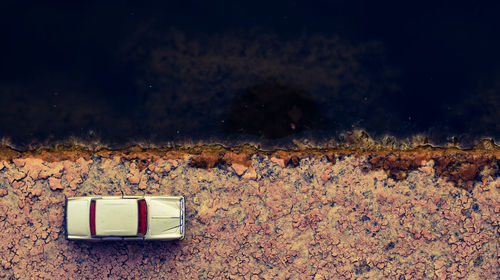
(427, 214)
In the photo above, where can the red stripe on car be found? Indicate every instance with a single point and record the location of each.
(142, 217)
(92, 217)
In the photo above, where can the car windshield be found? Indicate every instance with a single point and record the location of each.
(92, 217)
(143, 215)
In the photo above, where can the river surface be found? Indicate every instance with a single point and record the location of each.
(198, 72)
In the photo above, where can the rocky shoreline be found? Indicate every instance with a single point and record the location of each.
(422, 214)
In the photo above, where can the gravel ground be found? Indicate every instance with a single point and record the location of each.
(262, 215)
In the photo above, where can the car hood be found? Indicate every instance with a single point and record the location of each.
(165, 217)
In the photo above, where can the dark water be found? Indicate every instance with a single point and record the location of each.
(121, 73)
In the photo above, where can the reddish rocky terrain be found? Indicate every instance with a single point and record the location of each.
(423, 214)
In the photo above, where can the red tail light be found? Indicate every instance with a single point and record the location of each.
(92, 217)
(143, 216)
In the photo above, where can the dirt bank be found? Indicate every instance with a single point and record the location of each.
(338, 214)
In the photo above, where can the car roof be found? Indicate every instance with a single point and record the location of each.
(116, 217)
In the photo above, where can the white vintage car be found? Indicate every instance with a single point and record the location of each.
(125, 218)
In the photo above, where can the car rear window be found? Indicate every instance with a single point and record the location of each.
(143, 215)
(92, 217)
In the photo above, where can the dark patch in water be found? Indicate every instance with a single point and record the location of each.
(272, 110)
